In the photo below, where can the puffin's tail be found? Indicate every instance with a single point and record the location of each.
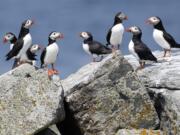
(9, 56)
(176, 46)
(107, 50)
(152, 58)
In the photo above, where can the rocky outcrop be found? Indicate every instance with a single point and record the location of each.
(162, 80)
(29, 101)
(106, 96)
(102, 98)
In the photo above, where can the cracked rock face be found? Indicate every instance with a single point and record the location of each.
(163, 82)
(108, 96)
(29, 101)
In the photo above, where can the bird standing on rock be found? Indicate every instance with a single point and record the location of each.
(93, 47)
(50, 53)
(24, 42)
(30, 54)
(115, 33)
(162, 38)
(138, 48)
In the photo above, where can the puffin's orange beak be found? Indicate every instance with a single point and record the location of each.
(40, 47)
(128, 30)
(148, 21)
(80, 34)
(4, 40)
(126, 18)
(61, 36)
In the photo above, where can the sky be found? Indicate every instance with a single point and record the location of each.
(74, 16)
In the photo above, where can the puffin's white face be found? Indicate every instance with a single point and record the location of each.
(28, 23)
(56, 35)
(153, 20)
(121, 16)
(8, 37)
(84, 35)
(134, 29)
(35, 48)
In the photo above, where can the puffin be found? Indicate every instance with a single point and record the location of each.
(30, 54)
(11, 38)
(162, 38)
(92, 47)
(23, 42)
(115, 33)
(50, 52)
(138, 48)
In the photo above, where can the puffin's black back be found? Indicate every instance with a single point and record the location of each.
(42, 57)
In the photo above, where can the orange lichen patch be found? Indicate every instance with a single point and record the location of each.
(143, 132)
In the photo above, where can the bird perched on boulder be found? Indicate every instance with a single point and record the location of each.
(28, 57)
(23, 42)
(138, 48)
(50, 52)
(92, 47)
(162, 38)
(115, 34)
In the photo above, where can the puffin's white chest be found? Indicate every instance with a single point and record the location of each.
(27, 43)
(24, 57)
(117, 34)
(158, 37)
(11, 46)
(132, 50)
(86, 48)
(51, 53)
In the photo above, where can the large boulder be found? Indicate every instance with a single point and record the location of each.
(108, 95)
(162, 80)
(29, 101)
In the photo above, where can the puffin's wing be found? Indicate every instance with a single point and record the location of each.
(15, 50)
(144, 52)
(108, 36)
(43, 54)
(169, 39)
(98, 48)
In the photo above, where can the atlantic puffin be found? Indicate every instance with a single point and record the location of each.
(50, 53)
(23, 42)
(115, 34)
(28, 57)
(138, 48)
(92, 47)
(162, 38)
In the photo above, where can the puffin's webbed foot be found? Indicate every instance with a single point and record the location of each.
(142, 65)
(55, 71)
(50, 72)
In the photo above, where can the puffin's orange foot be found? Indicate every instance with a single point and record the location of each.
(55, 71)
(50, 72)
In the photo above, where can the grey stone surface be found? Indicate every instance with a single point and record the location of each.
(139, 132)
(163, 82)
(107, 96)
(29, 101)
